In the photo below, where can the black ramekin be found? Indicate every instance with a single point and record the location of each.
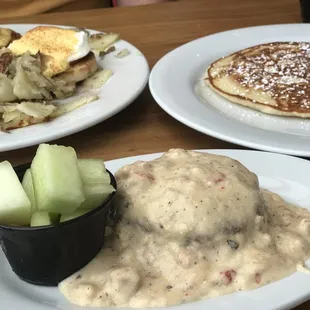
(46, 255)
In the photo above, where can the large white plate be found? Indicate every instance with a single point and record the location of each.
(173, 79)
(285, 175)
(129, 79)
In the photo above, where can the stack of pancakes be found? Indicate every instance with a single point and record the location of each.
(272, 78)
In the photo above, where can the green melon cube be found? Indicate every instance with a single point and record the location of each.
(15, 206)
(42, 218)
(27, 184)
(73, 215)
(56, 178)
(95, 194)
(93, 171)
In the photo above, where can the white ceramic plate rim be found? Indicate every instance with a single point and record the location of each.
(114, 96)
(173, 78)
(283, 174)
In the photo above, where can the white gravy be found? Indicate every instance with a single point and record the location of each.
(192, 226)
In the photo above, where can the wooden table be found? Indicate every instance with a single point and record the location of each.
(166, 27)
(143, 127)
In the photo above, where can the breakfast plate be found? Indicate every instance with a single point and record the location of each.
(284, 175)
(119, 91)
(174, 87)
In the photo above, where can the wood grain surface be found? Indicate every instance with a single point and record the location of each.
(157, 29)
(13, 8)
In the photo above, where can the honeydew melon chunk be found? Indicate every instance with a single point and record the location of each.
(42, 218)
(75, 214)
(93, 171)
(15, 206)
(95, 194)
(27, 184)
(56, 178)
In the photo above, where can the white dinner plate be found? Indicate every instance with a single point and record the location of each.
(287, 176)
(174, 77)
(130, 76)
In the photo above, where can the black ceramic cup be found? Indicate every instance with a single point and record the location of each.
(305, 10)
(46, 255)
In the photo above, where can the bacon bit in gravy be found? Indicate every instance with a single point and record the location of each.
(218, 180)
(229, 275)
(148, 176)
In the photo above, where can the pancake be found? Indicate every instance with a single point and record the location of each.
(272, 78)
